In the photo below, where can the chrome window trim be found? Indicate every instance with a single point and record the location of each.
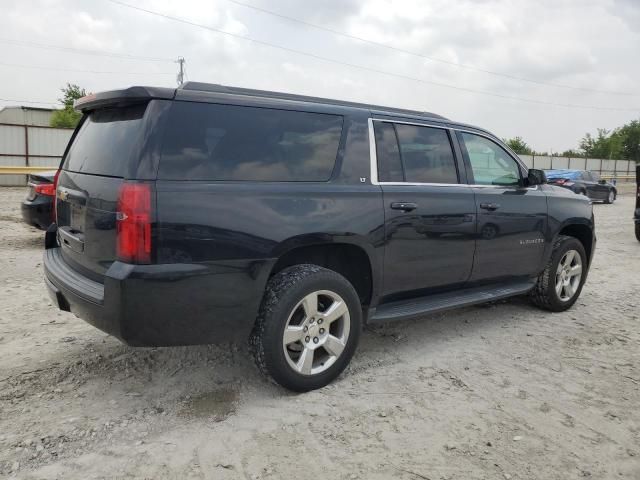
(401, 122)
(373, 156)
(493, 139)
(413, 184)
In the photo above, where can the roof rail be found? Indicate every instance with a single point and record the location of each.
(216, 88)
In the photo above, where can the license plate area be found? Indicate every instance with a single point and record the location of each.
(76, 218)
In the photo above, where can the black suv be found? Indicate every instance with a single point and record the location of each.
(207, 214)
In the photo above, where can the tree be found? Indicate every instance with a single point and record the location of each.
(608, 144)
(518, 145)
(630, 141)
(571, 153)
(68, 117)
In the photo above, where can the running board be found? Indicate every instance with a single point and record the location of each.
(416, 307)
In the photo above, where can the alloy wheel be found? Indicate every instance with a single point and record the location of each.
(316, 332)
(568, 275)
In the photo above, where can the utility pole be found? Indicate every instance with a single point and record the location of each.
(180, 76)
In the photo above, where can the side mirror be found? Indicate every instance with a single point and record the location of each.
(536, 177)
(602, 182)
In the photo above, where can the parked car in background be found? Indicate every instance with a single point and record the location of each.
(583, 182)
(636, 216)
(37, 207)
(208, 214)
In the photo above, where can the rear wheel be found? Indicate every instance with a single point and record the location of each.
(308, 327)
(611, 197)
(559, 285)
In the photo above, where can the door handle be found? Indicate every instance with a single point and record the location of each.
(490, 206)
(404, 206)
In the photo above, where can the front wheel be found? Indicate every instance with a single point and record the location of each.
(559, 285)
(611, 197)
(308, 327)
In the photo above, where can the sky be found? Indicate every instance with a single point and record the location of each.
(546, 70)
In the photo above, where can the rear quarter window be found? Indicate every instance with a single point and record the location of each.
(227, 142)
(106, 142)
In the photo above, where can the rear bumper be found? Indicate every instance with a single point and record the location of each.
(162, 305)
(38, 212)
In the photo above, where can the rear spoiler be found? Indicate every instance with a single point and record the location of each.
(122, 97)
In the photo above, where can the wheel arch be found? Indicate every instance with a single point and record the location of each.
(581, 231)
(354, 260)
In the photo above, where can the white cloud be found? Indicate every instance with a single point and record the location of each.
(586, 43)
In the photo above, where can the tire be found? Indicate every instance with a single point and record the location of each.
(545, 293)
(638, 231)
(288, 304)
(611, 197)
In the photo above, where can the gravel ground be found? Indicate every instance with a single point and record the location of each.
(504, 391)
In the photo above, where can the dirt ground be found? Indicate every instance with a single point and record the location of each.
(494, 392)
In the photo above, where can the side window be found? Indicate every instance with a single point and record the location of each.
(388, 153)
(227, 142)
(594, 177)
(426, 154)
(414, 154)
(490, 163)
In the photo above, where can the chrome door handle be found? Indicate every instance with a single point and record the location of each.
(404, 206)
(490, 206)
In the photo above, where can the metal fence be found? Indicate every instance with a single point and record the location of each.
(30, 146)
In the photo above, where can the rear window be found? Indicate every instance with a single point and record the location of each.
(226, 142)
(106, 141)
(563, 174)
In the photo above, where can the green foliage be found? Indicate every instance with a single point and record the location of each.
(621, 143)
(630, 143)
(65, 118)
(571, 153)
(518, 145)
(68, 117)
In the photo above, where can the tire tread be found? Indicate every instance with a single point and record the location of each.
(539, 295)
(261, 340)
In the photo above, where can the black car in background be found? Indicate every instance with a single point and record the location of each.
(37, 207)
(583, 182)
(636, 215)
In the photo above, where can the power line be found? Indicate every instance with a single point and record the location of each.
(84, 51)
(421, 55)
(362, 67)
(38, 67)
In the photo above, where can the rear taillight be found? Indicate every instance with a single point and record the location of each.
(47, 189)
(133, 223)
(560, 181)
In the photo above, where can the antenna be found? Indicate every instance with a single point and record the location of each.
(180, 76)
